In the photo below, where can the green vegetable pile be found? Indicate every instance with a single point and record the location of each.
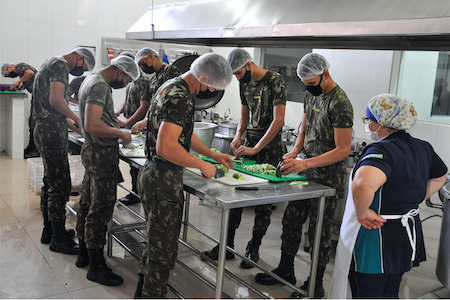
(225, 169)
(261, 168)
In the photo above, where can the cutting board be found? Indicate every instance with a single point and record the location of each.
(229, 180)
(136, 153)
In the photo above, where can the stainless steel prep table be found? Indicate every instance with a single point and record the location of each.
(226, 198)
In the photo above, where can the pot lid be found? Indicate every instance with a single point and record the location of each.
(205, 99)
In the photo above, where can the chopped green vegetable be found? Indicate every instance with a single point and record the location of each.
(261, 168)
(238, 176)
(225, 169)
(299, 183)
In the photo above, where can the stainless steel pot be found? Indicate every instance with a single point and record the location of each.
(227, 128)
(222, 142)
(205, 132)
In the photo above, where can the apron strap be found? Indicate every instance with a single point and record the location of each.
(409, 216)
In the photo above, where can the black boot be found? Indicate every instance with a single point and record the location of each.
(251, 251)
(138, 292)
(98, 270)
(83, 256)
(318, 289)
(214, 253)
(130, 199)
(285, 270)
(60, 242)
(47, 231)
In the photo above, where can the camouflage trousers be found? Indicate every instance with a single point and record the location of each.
(161, 192)
(99, 193)
(271, 154)
(50, 137)
(297, 212)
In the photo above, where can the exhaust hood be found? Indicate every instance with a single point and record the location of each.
(343, 24)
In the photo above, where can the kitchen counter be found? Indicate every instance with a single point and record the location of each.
(225, 197)
(12, 123)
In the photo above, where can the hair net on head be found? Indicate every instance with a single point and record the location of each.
(89, 58)
(144, 52)
(392, 111)
(311, 65)
(126, 53)
(237, 58)
(3, 69)
(215, 68)
(126, 64)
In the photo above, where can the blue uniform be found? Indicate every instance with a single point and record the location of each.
(408, 164)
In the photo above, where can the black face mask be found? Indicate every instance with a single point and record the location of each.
(315, 90)
(247, 77)
(117, 84)
(77, 71)
(146, 69)
(13, 74)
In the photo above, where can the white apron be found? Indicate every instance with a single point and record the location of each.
(340, 286)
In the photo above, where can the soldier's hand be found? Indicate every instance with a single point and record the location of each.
(235, 143)
(292, 154)
(126, 137)
(139, 126)
(208, 170)
(14, 86)
(243, 150)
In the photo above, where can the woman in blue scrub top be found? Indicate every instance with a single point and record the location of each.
(381, 235)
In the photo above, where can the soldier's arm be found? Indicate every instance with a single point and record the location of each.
(275, 126)
(58, 102)
(138, 114)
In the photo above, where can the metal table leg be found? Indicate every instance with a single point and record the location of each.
(186, 215)
(222, 252)
(315, 254)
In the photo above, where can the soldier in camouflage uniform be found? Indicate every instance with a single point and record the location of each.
(148, 60)
(325, 139)
(263, 99)
(100, 157)
(160, 182)
(50, 109)
(26, 74)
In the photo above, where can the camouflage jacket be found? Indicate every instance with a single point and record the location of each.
(165, 73)
(323, 114)
(75, 84)
(53, 69)
(136, 92)
(96, 90)
(260, 97)
(172, 103)
(21, 68)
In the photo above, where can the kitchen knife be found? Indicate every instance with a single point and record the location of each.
(256, 188)
(219, 173)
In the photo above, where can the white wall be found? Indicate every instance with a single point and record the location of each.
(32, 30)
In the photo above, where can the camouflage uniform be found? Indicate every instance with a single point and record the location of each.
(136, 92)
(323, 114)
(100, 157)
(165, 73)
(75, 84)
(260, 97)
(21, 68)
(50, 136)
(160, 184)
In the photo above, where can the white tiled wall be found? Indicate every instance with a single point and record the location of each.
(32, 30)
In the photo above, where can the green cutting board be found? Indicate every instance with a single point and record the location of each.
(271, 178)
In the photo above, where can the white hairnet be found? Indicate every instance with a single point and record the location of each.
(129, 54)
(237, 58)
(126, 64)
(392, 111)
(3, 69)
(312, 65)
(144, 52)
(215, 68)
(89, 58)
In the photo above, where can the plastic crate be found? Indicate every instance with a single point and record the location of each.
(35, 173)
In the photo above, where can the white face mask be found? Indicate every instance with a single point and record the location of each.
(373, 135)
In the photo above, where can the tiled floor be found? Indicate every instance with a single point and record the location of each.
(28, 269)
